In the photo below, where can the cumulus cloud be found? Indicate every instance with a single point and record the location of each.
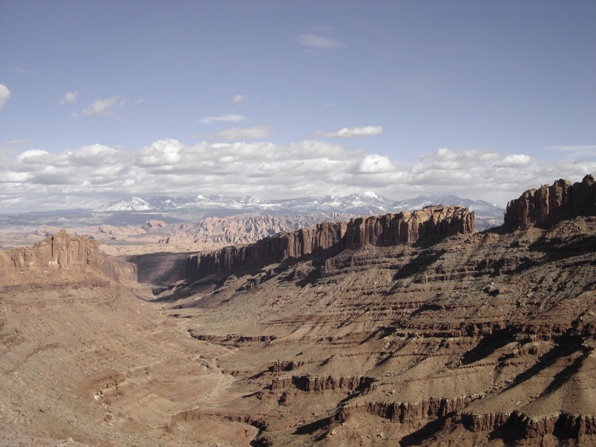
(4, 95)
(69, 98)
(374, 164)
(246, 133)
(228, 118)
(104, 107)
(352, 132)
(96, 174)
(32, 155)
(514, 161)
(319, 42)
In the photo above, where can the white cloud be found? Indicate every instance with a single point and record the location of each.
(374, 164)
(103, 106)
(69, 98)
(228, 118)
(92, 155)
(161, 153)
(95, 174)
(239, 98)
(320, 42)
(15, 177)
(4, 95)
(246, 133)
(514, 161)
(352, 132)
(31, 155)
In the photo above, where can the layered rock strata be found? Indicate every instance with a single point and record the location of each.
(550, 204)
(64, 252)
(484, 339)
(430, 223)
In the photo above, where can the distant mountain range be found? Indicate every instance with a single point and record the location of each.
(367, 203)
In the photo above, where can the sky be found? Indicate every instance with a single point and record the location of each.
(104, 100)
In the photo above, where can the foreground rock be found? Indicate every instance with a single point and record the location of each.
(458, 338)
(475, 339)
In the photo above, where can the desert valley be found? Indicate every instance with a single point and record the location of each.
(408, 328)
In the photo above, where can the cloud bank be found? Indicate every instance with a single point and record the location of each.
(92, 175)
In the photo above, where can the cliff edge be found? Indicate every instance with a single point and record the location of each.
(424, 226)
(550, 204)
(62, 252)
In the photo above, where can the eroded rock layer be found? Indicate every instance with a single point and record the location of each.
(426, 225)
(64, 252)
(549, 204)
(480, 337)
(476, 339)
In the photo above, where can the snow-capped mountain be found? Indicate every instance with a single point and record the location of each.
(367, 203)
(134, 204)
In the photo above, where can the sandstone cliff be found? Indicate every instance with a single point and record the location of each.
(426, 225)
(549, 204)
(64, 252)
(482, 339)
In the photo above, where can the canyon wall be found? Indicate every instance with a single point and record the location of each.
(64, 252)
(549, 204)
(426, 225)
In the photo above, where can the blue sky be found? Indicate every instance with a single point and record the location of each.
(101, 100)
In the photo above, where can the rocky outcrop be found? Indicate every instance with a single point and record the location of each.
(285, 365)
(413, 414)
(550, 204)
(232, 339)
(564, 425)
(319, 384)
(426, 225)
(64, 252)
(236, 230)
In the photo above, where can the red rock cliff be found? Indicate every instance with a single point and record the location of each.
(428, 224)
(549, 204)
(64, 252)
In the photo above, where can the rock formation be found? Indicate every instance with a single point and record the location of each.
(550, 204)
(426, 225)
(63, 252)
(377, 332)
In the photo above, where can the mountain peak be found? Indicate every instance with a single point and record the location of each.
(366, 203)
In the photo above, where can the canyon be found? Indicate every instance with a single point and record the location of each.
(196, 223)
(403, 329)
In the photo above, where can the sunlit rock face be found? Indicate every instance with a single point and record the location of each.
(550, 204)
(64, 252)
(430, 223)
